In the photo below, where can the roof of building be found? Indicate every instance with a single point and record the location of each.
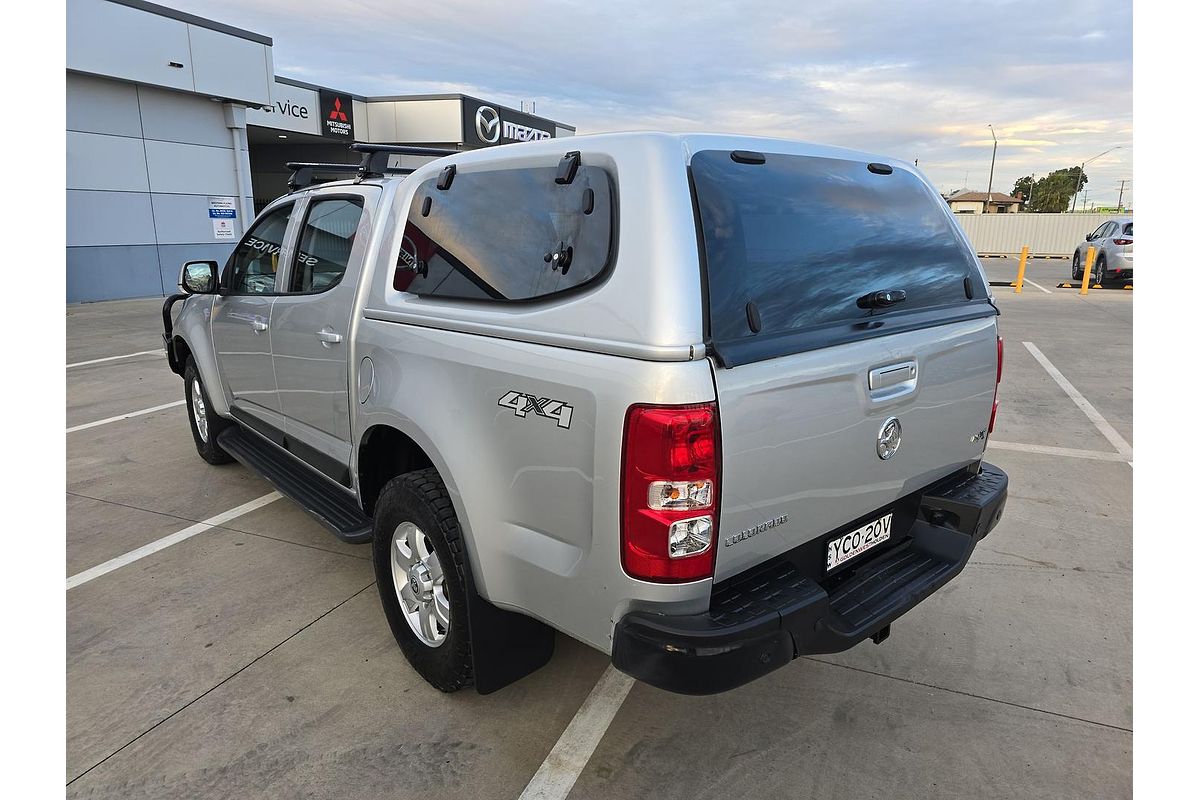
(999, 198)
(192, 19)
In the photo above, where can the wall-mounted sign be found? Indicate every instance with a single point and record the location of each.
(485, 125)
(337, 115)
(223, 213)
(294, 109)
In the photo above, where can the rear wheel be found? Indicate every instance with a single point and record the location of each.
(422, 581)
(206, 425)
(1100, 273)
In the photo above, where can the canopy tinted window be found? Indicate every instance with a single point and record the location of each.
(803, 238)
(510, 234)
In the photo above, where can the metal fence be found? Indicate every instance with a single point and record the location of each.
(1045, 234)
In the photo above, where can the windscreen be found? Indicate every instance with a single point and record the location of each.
(803, 238)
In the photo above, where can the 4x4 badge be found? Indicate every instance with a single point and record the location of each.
(522, 404)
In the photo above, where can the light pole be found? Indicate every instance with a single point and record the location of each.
(1079, 183)
(995, 143)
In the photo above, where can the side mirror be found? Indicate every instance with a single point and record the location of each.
(199, 277)
(1091, 237)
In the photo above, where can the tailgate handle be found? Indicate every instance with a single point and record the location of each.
(900, 378)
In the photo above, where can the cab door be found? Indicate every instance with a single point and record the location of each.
(310, 327)
(241, 317)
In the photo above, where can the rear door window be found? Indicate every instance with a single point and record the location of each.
(507, 235)
(1128, 229)
(325, 243)
(792, 244)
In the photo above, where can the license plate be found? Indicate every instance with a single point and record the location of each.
(856, 542)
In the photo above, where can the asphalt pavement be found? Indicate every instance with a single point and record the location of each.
(251, 658)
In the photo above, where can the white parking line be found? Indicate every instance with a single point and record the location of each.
(560, 770)
(99, 422)
(165, 542)
(1110, 433)
(114, 358)
(1038, 285)
(1070, 452)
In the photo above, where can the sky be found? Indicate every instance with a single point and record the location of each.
(912, 80)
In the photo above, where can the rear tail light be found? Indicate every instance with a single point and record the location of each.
(1122, 241)
(669, 488)
(999, 372)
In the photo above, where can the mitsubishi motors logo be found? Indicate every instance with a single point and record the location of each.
(337, 116)
(337, 112)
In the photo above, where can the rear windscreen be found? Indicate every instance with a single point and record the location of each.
(1128, 229)
(803, 238)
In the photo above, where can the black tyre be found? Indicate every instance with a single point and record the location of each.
(422, 581)
(206, 425)
(1076, 269)
(1100, 271)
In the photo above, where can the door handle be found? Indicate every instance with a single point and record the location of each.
(892, 381)
(259, 325)
(327, 336)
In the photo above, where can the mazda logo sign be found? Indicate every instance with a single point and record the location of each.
(487, 124)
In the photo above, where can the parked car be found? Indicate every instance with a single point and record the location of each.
(706, 403)
(1113, 241)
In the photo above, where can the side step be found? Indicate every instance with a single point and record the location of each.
(316, 494)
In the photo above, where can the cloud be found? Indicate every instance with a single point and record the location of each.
(918, 79)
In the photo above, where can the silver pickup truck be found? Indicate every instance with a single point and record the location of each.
(703, 402)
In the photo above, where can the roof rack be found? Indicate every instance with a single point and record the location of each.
(375, 156)
(374, 163)
(303, 172)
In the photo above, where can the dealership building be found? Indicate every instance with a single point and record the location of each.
(178, 130)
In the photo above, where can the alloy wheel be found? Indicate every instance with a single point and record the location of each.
(420, 584)
(199, 412)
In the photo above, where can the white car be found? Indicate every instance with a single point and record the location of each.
(1113, 241)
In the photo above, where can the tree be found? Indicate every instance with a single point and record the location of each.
(1023, 187)
(1053, 193)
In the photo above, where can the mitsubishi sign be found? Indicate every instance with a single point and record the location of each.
(337, 115)
(486, 124)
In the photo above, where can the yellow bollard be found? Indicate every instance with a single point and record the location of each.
(1021, 268)
(1087, 270)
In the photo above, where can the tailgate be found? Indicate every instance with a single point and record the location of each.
(841, 294)
(799, 433)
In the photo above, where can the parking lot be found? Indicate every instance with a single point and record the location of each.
(251, 658)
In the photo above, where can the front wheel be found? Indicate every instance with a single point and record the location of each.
(422, 581)
(1076, 269)
(205, 423)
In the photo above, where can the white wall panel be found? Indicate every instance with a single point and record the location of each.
(186, 118)
(96, 105)
(123, 42)
(108, 218)
(183, 219)
(381, 122)
(190, 169)
(428, 121)
(100, 161)
(1045, 234)
(228, 66)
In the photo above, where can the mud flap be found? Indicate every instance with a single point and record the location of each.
(505, 646)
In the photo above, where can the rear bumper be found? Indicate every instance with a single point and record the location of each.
(761, 620)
